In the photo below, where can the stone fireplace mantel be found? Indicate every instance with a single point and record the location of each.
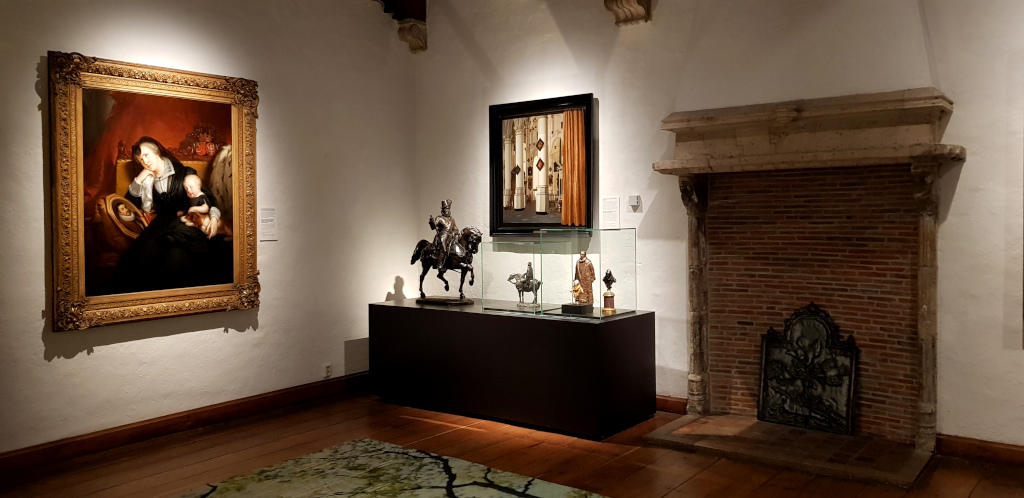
(856, 130)
(892, 128)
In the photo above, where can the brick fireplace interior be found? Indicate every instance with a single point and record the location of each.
(846, 239)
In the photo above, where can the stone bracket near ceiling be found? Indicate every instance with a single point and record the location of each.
(412, 21)
(629, 11)
(890, 128)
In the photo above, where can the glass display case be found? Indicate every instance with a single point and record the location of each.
(547, 276)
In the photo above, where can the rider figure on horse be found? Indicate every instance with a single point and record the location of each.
(447, 234)
(452, 249)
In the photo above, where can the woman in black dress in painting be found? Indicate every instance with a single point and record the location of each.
(169, 254)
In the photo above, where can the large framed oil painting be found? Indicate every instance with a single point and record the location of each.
(154, 191)
(542, 164)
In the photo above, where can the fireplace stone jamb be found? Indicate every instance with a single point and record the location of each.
(925, 169)
(694, 192)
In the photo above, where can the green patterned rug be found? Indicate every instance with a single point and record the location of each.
(366, 468)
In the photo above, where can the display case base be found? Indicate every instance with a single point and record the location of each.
(517, 307)
(445, 300)
(577, 309)
(588, 378)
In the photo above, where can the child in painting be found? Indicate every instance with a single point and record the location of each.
(200, 200)
(198, 214)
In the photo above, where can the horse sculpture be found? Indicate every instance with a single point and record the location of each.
(460, 258)
(524, 284)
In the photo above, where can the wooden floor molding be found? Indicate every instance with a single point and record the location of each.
(72, 447)
(977, 449)
(671, 404)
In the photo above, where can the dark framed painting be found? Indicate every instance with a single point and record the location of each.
(154, 191)
(542, 164)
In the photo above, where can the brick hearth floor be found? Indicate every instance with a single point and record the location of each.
(861, 457)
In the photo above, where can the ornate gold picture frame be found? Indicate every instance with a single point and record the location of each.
(132, 148)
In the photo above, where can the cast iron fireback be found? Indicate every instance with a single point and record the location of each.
(807, 373)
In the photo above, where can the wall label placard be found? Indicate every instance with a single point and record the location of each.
(609, 212)
(268, 223)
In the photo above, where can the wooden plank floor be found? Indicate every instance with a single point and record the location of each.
(621, 466)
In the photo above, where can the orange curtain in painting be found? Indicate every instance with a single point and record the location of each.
(574, 183)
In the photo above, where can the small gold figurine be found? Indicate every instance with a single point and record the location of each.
(577, 292)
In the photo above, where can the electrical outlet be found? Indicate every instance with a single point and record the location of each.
(327, 370)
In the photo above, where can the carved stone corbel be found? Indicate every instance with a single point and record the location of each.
(693, 190)
(412, 21)
(926, 194)
(629, 11)
(413, 32)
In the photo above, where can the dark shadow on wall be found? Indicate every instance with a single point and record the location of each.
(672, 377)
(357, 355)
(42, 90)
(948, 179)
(591, 36)
(70, 343)
(73, 342)
(399, 294)
(666, 217)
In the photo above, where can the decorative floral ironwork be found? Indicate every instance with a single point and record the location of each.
(807, 373)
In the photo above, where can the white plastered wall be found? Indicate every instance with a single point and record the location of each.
(334, 155)
(697, 55)
(358, 142)
(978, 49)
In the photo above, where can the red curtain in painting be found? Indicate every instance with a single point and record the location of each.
(574, 184)
(133, 116)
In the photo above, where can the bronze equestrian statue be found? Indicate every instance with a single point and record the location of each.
(451, 249)
(525, 282)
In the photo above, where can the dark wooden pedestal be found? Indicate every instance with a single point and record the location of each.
(582, 377)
